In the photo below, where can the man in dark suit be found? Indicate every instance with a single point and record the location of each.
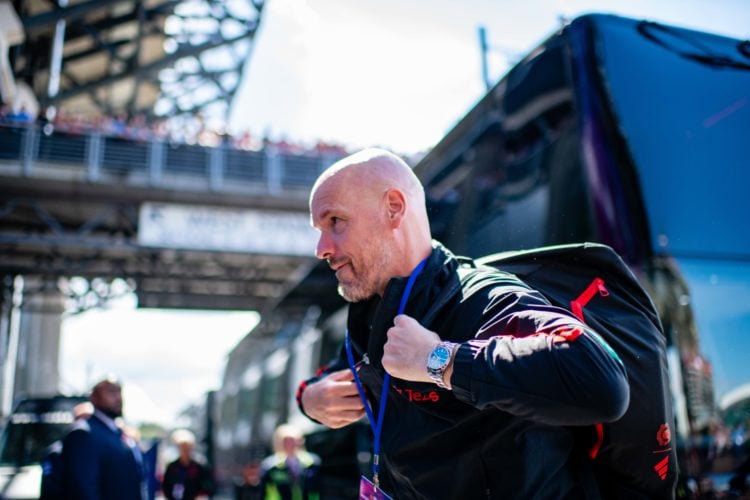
(99, 460)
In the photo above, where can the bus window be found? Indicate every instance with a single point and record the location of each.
(33, 426)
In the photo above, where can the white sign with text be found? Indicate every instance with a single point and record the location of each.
(224, 229)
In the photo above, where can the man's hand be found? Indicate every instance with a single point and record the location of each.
(333, 400)
(406, 351)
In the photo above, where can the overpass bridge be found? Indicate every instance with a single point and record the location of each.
(185, 226)
(189, 226)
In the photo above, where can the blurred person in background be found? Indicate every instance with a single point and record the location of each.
(248, 486)
(186, 478)
(52, 486)
(99, 459)
(291, 473)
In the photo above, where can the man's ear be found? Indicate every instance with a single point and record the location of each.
(395, 204)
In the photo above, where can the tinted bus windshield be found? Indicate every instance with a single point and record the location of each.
(682, 100)
(32, 427)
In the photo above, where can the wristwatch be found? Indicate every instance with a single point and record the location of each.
(438, 361)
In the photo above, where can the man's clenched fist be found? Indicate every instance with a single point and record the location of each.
(406, 351)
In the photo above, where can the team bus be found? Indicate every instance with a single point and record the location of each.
(626, 132)
(32, 428)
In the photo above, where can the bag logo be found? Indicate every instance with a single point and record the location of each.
(663, 435)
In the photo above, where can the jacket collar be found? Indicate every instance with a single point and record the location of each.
(107, 421)
(369, 320)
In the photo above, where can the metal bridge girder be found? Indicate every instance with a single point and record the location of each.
(108, 62)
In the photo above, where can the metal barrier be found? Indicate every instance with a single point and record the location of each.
(94, 157)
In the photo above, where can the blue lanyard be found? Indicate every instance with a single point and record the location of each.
(377, 425)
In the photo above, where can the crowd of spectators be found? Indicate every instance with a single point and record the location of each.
(138, 128)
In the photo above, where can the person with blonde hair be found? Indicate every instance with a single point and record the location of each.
(291, 473)
(186, 478)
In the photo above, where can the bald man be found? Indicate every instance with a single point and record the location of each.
(483, 376)
(99, 461)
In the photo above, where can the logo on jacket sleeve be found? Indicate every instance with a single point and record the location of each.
(662, 468)
(663, 435)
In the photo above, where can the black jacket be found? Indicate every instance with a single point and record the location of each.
(526, 378)
(190, 481)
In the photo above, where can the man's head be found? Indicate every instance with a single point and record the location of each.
(106, 396)
(370, 210)
(251, 473)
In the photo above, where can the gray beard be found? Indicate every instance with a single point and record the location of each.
(357, 293)
(356, 297)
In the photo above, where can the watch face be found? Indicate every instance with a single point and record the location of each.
(438, 358)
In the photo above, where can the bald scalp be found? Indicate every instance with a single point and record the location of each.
(104, 384)
(372, 172)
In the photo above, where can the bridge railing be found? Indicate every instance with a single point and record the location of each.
(95, 157)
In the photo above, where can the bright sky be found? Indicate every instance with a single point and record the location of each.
(401, 73)
(394, 73)
(167, 360)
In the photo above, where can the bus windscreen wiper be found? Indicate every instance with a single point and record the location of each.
(744, 48)
(702, 54)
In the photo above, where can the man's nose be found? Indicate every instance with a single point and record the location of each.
(324, 249)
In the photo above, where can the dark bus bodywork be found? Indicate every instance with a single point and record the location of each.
(625, 132)
(636, 135)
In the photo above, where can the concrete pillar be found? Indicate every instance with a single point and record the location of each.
(38, 352)
(155, 162)
(274, 170)
(6, 308)
(216, 167)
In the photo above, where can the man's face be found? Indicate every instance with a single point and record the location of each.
(107, 397)
(251, 473)
(354, 238)
(290, 445)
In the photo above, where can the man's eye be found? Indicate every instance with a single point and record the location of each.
(337, 224)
